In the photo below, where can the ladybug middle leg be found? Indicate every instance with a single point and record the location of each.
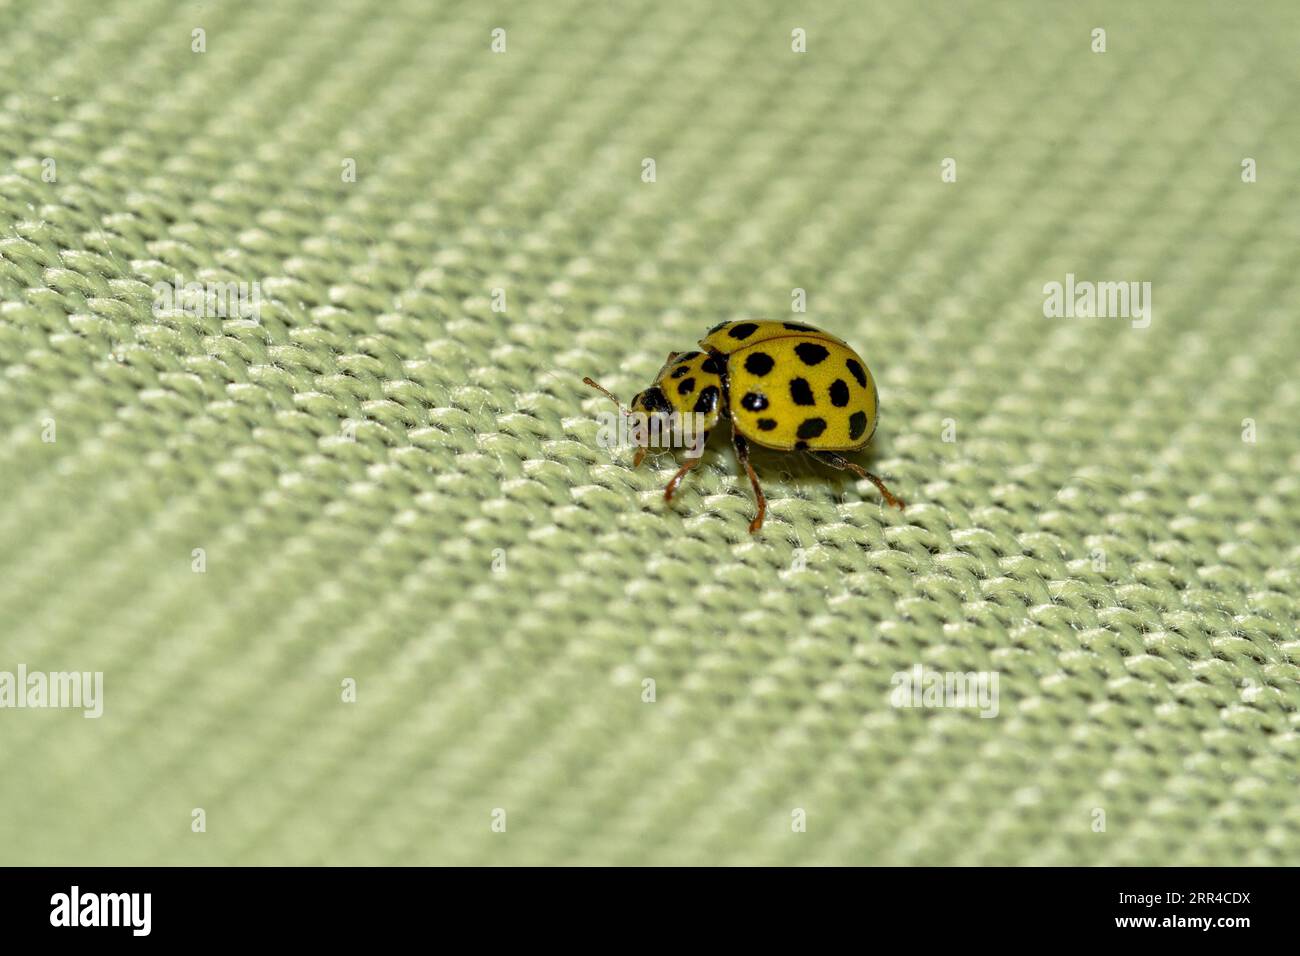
(742, 453)
(836, 460)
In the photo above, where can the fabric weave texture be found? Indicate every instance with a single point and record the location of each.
(390, 474)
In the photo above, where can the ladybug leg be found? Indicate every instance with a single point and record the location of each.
(677, 478)
(742, 453)
(843, 464)
(638, 457)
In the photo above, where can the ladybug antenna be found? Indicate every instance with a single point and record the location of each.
(608, 394)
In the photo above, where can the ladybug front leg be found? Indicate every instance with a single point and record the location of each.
(677, 478)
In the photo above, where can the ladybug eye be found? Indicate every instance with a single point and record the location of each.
(652, 399)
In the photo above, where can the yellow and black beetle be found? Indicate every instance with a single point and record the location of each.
(782, 385)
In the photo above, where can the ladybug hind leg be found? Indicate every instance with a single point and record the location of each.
(836, 460)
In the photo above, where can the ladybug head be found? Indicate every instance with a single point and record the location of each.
(652, 410)
(652, 401)
(653, 404)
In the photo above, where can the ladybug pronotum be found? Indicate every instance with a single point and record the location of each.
(781, 385)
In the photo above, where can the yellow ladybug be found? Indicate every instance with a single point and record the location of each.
(782, 385)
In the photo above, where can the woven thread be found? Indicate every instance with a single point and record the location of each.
(354, 463)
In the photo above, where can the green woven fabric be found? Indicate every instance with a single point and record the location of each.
(393, 475)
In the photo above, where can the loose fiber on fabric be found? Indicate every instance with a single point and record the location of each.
(389, 476)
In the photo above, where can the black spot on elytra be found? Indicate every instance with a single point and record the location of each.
(798, 327)
(681, 370)
(800, 446)
(711, 365)
(811, 352)
(653, 399)
(716, 328)
(839, 393)
(856, 369)
(754, 402)
(708, 400)
(687, 386)
(811, 427)
(687, 356)
(801, 392)
(743, 331)
(766, 424)
(857, 425)
(760, 363)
